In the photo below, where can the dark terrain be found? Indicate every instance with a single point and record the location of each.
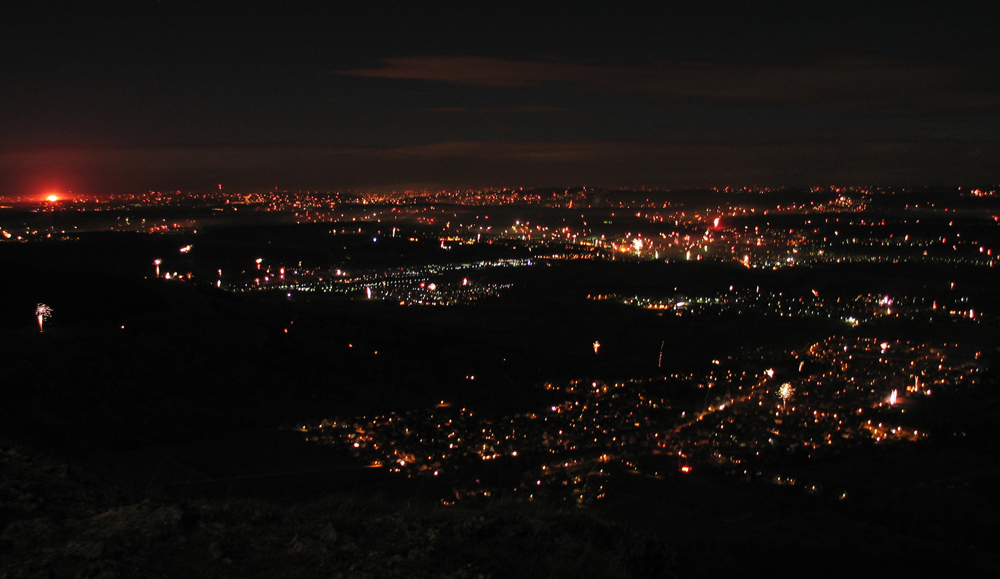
(145, 431)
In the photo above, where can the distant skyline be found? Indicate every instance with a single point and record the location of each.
(176, 95)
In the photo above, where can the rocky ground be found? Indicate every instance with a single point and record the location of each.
(56, 521)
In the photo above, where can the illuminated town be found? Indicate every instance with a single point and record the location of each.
(832, 396)
(584, 347)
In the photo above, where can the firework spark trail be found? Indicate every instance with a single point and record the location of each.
(42, 312)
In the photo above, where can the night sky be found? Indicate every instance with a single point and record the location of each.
(105, 98)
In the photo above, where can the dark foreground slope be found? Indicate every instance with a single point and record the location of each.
(58, 523)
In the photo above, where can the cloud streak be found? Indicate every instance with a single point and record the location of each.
(522, 109)
(859, 80)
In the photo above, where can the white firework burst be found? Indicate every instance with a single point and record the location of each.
(785, 392)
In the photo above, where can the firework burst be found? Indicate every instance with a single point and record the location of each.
(785, 392)
(42, 312)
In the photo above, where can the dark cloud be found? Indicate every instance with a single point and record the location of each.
(514, 109)
(855, 80)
